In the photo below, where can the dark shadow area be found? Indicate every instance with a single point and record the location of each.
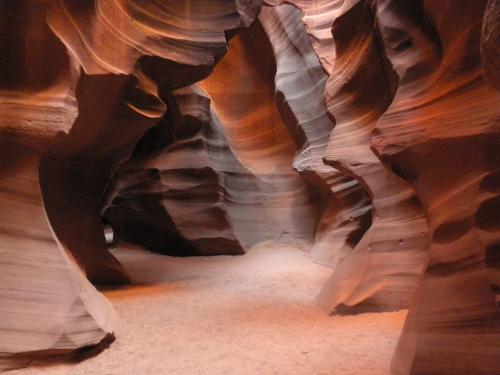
(386, 301)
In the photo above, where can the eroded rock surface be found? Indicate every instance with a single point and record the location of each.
(365, 131)
(76, 98)
(300, 83)
(441, 134)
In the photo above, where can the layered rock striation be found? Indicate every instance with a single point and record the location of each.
(361, 86)
(441, 134)
(299, 85)
(81, 88)
(366, 131)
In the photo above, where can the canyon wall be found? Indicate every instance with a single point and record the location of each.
(364, 131)
(441, 134)
(81, 84)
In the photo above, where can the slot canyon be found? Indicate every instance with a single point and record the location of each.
(297, 187)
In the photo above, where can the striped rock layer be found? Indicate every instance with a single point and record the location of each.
(79, 88)
(441, 133)
(358, 89)
(365, 131)
(299, 84)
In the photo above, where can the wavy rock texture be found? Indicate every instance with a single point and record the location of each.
(179, 194)
(223, 176)
(361, 129)
(110, 36)
(299, 84)
(490, 43)
(133, 30)
(318, 19)
(47, 305)
(242, 92)
(38, 100)
(441, 134)
(391, 254)
(435, 55)
(76, 167)
(264, 134)
(359, 88)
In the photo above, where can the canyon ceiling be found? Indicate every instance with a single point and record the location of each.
(367, 131)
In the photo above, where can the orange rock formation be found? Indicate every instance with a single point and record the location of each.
(366, 131)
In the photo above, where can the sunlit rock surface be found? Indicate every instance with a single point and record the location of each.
(441, 133)
(242, 92)
(365, 132)
(299, 84)
(72, 73)
(360, 88)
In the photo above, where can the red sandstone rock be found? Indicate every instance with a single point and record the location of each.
(441, 134)
(300, 82)
(352, 126)
(48, 306)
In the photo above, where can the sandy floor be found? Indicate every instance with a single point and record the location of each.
(235, 315)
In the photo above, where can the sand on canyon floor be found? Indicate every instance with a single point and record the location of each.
(251, 314)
